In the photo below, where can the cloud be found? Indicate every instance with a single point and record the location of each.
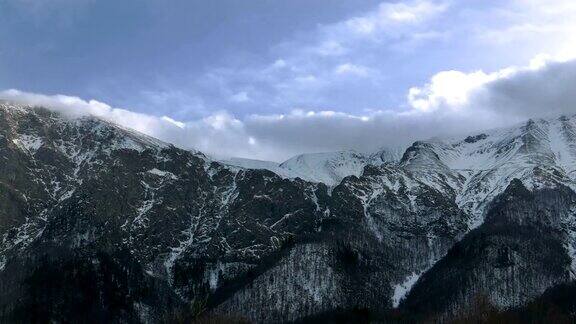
(452, 102)
(320, 131)
(269, 137)
(528, 26)
(393, 14)
(549, 90)
(344, 58)
(241, 96)
(351, 69)
(391, 21)
(451, 89)
(546, 86)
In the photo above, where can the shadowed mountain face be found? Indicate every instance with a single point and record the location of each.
(513, 257)
(101, 222)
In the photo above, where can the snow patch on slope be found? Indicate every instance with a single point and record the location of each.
(163, 174)
(402, 289)
(28, 143)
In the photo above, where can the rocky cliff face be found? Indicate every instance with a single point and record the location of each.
(517, 254)
(100, 221)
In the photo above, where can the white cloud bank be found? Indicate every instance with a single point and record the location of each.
(452, 102)
(544, 87)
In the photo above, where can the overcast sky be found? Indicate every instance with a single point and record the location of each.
(268, 79)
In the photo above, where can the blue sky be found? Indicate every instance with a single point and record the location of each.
(268, 78)
(148, 55)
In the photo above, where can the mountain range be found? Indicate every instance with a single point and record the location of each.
(103, 223)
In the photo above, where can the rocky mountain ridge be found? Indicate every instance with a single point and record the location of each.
(137, 230)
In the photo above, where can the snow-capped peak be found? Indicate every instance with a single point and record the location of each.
(328, 168)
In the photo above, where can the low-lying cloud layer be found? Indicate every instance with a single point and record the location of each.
(451, 103)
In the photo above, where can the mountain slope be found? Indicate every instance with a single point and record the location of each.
(135, 230)
(514, 257)
(91, 189)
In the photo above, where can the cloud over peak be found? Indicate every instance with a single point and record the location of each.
(452, 102)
